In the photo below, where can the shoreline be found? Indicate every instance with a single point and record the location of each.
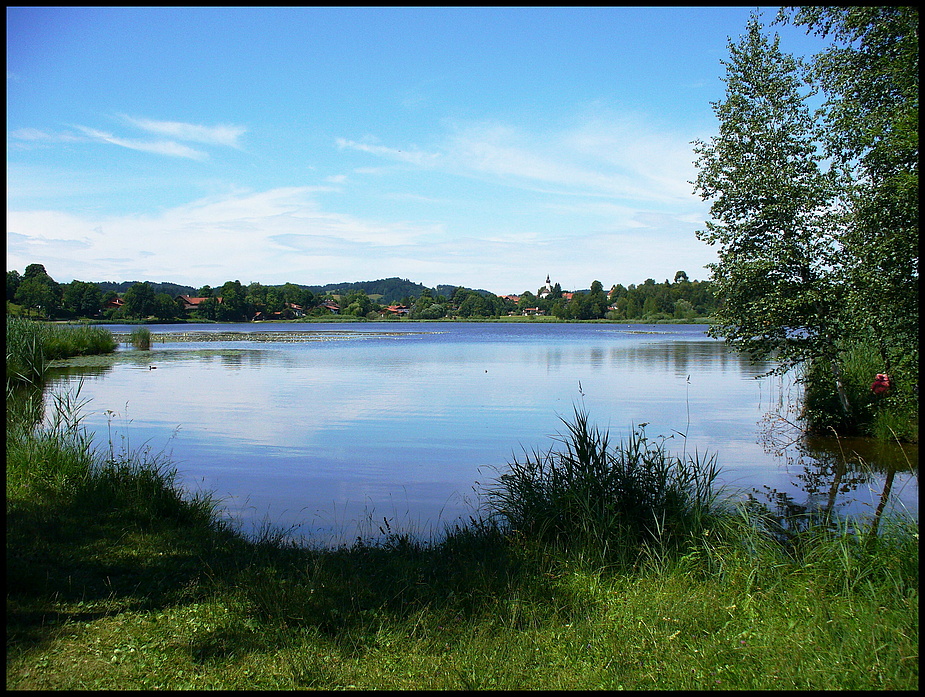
(263, 336)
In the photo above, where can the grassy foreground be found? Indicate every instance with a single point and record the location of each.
(117, 580)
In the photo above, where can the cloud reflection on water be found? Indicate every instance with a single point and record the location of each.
(405, 427)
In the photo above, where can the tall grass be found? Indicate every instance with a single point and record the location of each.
(66, 340)
(31, 345)
(49, 458)
(141, 338)
(618, 497)
(61, 488)
(26, 361)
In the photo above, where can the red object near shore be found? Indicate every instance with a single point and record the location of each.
(881, 384)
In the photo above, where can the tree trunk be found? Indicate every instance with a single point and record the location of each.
(842, 394)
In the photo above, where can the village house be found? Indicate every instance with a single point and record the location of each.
(188, 303)
(289, 311)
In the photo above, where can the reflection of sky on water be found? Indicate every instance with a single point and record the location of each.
(326, 433)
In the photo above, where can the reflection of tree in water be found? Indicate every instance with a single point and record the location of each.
(63, 375)
(822, 476)
(828, 470)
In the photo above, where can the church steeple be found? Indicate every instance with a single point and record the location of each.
(547, 289)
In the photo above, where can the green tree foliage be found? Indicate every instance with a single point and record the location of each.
(392, 290)
(234, 306)
(275, 300)
(772, 212)
(683, 309)
(815, 211)
(165, 307)
(82, 299)
(596, 301)
(38, 295)
(256, 295)
(296, 295)
(527, 300)
(172, 289)
(473, 305)
(357, 303)
(38, 291)
(34, 271)
(870, 76)
(13, 279)
(139, 300)
(207, 309)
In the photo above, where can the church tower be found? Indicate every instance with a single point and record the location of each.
(547, 289)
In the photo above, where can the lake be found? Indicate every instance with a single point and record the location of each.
(345, 424)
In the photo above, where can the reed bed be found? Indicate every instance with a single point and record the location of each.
(31, 345)
(140, 338)
(585, 490)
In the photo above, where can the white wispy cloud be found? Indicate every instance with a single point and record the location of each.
(211, 135)
(600, 199)
(38, 135)
(411, 155)
(286, 234)
(625, 159)
(158, 147)
(171, 141)
(271, 236)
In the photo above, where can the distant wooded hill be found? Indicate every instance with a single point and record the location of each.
(392, 290)
(172, 289)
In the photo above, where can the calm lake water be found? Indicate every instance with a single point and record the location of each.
(405, 421)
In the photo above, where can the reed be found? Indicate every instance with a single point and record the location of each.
(619, 497)
(141, 338)
(26, 361)
(31, 345)
(66, 340)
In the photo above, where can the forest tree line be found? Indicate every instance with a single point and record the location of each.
(36, 293)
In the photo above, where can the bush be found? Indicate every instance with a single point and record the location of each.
(885, 417)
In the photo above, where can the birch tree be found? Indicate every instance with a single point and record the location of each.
(775, 213)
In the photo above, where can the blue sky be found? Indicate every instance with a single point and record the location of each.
(484, 147)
